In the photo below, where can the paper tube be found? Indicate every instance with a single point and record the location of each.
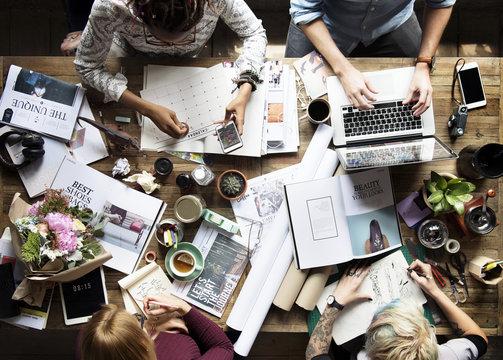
(313, 287)
(290, 287)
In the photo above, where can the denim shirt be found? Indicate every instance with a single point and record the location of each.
(353, 21)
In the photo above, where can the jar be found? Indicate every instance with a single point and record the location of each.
(189, 208)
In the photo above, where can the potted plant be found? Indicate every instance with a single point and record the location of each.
(232, 184)
(445, 192)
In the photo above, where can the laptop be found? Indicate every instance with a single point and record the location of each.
(387, 135)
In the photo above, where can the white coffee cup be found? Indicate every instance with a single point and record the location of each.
(179, 272)
(318, 111)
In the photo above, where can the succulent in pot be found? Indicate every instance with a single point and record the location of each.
(445, 193)
(232, 184)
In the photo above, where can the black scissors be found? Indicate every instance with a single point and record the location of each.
(458, 260)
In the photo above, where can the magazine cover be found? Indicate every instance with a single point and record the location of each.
(41, 103)
(225, 261)
(127, 215)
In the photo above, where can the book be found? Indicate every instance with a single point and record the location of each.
(342, 218)
(8, 307)
(129, 215)
(313, 71)
(387, 280)
(224, 263)
(40, 103)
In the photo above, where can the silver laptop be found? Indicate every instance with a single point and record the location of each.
(387, 135)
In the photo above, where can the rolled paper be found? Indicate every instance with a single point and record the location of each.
(313, 287)
(290, 287)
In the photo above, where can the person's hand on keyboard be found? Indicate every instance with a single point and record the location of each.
(359, 90)
(420, 90)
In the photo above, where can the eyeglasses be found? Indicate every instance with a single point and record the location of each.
(152, 40)
(257, 240)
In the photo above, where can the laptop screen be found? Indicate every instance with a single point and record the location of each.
(392, 153)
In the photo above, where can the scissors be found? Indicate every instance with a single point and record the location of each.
(457, 295)
(458, 260)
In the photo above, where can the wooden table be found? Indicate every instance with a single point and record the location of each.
(485, 125)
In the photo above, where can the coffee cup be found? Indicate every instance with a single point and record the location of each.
(318, 111)
(183, 263)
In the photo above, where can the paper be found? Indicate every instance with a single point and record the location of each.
(387, 280)
(313, 70)
(313, 287)
(290, 287)
(150, 280)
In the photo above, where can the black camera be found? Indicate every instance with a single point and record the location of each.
(457, 122)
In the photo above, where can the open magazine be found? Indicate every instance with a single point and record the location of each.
(41, 103)
(341, 218)
(224, 263)
(129, 215)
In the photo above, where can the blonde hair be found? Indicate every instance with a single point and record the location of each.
(114, 334)
(401, 332)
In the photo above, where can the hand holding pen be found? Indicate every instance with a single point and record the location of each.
(421, 273)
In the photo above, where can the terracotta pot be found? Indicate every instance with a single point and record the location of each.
(219, 180)
(448, 176)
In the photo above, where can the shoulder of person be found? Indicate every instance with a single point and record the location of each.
(118, 9)
(470, 347)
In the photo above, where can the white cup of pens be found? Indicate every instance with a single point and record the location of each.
(169, 232)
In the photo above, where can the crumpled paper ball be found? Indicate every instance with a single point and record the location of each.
(145, 180)
(121, 167)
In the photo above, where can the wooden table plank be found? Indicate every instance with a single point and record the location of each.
(481, 129)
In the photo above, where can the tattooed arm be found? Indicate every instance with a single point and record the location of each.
(345, 293)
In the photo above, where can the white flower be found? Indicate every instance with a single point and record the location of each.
(52, 254)
(76, 256)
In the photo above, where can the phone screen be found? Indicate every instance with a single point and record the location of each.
(472, 85)
(228, 135)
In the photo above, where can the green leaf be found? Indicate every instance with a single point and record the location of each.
(436, 197)
(431, 186)
(437, 208)
(454, 181)
(30, 251)
(439, 180)
(445, 205)
(459, 206)
(462, 188)
(465, 197)
(451, 199)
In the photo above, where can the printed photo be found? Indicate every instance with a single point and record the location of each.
(44, 87)
(275, 112)
(268, 197)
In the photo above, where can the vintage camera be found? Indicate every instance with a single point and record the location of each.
(457, 121)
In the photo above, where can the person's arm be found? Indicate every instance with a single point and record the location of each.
(435, 18)
(345, 293)
(462, 324)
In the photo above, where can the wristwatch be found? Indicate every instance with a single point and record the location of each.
(430, 60)
(331, 302)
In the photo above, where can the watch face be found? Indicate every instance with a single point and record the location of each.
(330, 300)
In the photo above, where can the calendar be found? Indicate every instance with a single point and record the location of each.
(199, 101)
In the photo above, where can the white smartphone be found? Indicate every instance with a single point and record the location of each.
(83, 297)
(228, 136)
(472, 89)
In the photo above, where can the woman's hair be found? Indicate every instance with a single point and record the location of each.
(114, 334)
(169, 15)
(400, 332)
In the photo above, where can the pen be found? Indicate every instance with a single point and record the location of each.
(420, 274)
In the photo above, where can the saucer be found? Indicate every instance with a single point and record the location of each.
(194, 251)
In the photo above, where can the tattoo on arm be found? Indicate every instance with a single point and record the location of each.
(319, 342)
(457, 330)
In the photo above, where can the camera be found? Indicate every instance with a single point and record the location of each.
(457, 121)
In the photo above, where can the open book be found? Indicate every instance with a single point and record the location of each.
(341, 218)
(40, 103)
(129, 215)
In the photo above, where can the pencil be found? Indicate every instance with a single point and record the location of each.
(420, 274)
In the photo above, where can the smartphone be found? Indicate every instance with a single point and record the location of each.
(229, 137)
(472, 89)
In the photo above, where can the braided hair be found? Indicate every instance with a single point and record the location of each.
(169, 15)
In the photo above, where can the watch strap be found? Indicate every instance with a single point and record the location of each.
(335, 304)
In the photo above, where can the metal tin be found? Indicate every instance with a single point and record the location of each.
(433, 233)
(189, 208)
(480, 223)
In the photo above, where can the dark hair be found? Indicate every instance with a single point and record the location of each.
(169, 15)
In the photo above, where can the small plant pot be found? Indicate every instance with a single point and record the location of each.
(232, 184)
(448, 176)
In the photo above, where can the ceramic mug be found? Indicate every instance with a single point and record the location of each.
(318, 111)
(182, 263)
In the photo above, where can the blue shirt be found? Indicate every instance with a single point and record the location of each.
(353, 21)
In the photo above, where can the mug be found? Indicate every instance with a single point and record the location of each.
(182, 263)
(318, 111)
(483, 162)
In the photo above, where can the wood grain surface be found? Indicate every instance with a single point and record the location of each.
(485, 304)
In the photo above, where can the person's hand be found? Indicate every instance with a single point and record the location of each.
(346, 291)
(235, 110)
(358, 89)
(170, 304)
(166, 121)
(420, 90)
(427, 282)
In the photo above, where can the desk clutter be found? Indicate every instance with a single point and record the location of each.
(285, 222)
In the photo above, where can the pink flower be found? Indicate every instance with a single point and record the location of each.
(67, 241)
(33, 210)
(59, 222)
(43, 229)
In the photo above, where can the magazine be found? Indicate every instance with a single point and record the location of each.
(224, 263)
(313, 70)
(342, 218)
(129, 215)
(41, 103)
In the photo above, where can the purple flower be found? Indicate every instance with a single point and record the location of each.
(33, 210)
(67, 241)
(59, 222)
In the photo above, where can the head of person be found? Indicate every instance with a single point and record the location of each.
(114, 334)
(400, 331)
(170, 21)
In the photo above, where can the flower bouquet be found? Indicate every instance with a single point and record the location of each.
(55, 241)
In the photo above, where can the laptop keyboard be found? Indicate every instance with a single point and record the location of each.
(385, 117)
(384, 156)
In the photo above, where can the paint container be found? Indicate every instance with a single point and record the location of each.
(433, 233)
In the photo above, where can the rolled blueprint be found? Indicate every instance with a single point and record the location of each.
(313, 287)
(290, 287)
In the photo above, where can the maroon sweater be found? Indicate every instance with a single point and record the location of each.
(206, 341)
